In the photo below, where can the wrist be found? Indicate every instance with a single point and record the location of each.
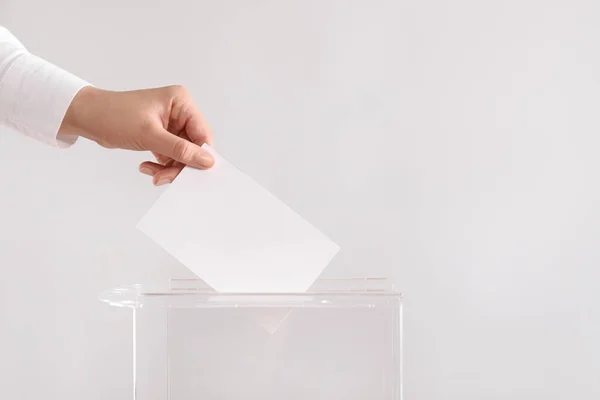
(77, 120)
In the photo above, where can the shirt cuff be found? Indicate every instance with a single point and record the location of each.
(34, 98)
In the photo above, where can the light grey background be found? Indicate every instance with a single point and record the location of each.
(453, 145)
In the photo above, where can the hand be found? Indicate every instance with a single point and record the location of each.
(164, 121)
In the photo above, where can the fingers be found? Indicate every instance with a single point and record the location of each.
(167, 175)
(179, 149)
(163, 160)
(180, 143)
(187, 118)
(150, 168)
(198, 130)
(161, 174)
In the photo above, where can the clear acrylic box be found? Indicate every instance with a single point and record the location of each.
(339, 341)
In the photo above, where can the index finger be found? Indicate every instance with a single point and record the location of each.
(198, 130)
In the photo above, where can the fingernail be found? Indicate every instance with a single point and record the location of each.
(163, 181)
(205, 159)
(146, 171)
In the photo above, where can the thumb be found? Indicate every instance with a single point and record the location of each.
(181, 150)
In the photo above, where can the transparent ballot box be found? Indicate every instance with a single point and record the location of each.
(339, 341)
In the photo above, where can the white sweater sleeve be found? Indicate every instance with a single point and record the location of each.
(34, 94)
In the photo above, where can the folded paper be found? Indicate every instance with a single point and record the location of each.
(235, 235)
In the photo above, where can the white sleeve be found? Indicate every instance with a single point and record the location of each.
(34, 94)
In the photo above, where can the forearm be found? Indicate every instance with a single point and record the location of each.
(34, 94)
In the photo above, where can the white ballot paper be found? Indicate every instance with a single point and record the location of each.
(235, 235)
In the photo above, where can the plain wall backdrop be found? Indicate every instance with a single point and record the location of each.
(453, 145)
